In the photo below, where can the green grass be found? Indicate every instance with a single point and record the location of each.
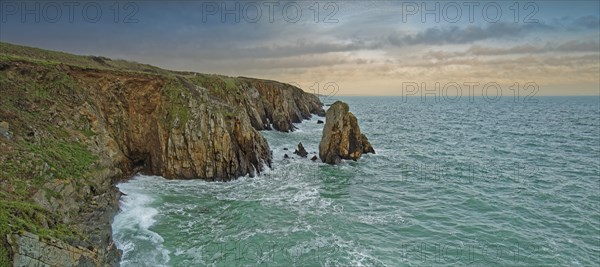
(66, 159)
(13, 52)
(177, 96)
(18, 216)
(26, 94)
(31, 166)
(223, 87)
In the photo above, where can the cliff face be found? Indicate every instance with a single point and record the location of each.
(72, 126)
(342, 138)
(265, 104)
(279, 104)
(167, 126)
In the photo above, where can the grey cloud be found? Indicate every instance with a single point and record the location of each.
(587, 22)
(469, 34)
(572, 46)
(302, 47)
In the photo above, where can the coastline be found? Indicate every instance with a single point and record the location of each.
(97, 121)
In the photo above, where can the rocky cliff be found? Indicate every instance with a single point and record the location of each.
(73, 126)
(342, 138)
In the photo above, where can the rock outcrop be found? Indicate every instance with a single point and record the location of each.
(78, 125)
(300, 151)
(32, 250)
(268, 104)
(342, 138)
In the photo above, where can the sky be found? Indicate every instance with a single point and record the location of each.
(447, 48)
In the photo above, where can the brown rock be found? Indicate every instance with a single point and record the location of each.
(270, 102)
(342, 138)
(300, 151)
(314, 158)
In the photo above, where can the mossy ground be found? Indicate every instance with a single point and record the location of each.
(50, 58)
(220, 86)
(177, 111)
(39, 152)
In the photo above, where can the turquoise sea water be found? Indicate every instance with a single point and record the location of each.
(467, 183)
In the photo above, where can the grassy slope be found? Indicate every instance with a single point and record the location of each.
(25, 166)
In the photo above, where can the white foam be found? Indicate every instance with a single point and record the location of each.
(131, 228)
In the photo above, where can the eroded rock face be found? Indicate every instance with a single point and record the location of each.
(342, 138)
(163, 127)
(278, 104)
(32, 250)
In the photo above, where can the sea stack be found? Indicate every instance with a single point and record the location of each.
(342, 138)
(300, 151)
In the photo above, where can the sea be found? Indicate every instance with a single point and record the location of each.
(475, 182)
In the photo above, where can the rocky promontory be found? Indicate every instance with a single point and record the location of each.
(74, 126)
(342, 138)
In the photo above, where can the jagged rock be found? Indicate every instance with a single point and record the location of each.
(367, 147)
(300, 151)
(342, 138)
(31, 250)
(285, 156)
(314, 158)
(320, 122)
(279, 104)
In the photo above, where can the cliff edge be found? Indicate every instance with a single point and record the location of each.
(73, 126)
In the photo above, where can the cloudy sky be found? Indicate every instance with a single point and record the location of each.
(363, 47)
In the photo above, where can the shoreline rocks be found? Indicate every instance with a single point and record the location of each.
(300, 151)
(342, 138)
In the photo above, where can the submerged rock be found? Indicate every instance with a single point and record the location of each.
(342, 138)
(300, 151)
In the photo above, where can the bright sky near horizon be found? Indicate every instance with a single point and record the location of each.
(358, 47)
